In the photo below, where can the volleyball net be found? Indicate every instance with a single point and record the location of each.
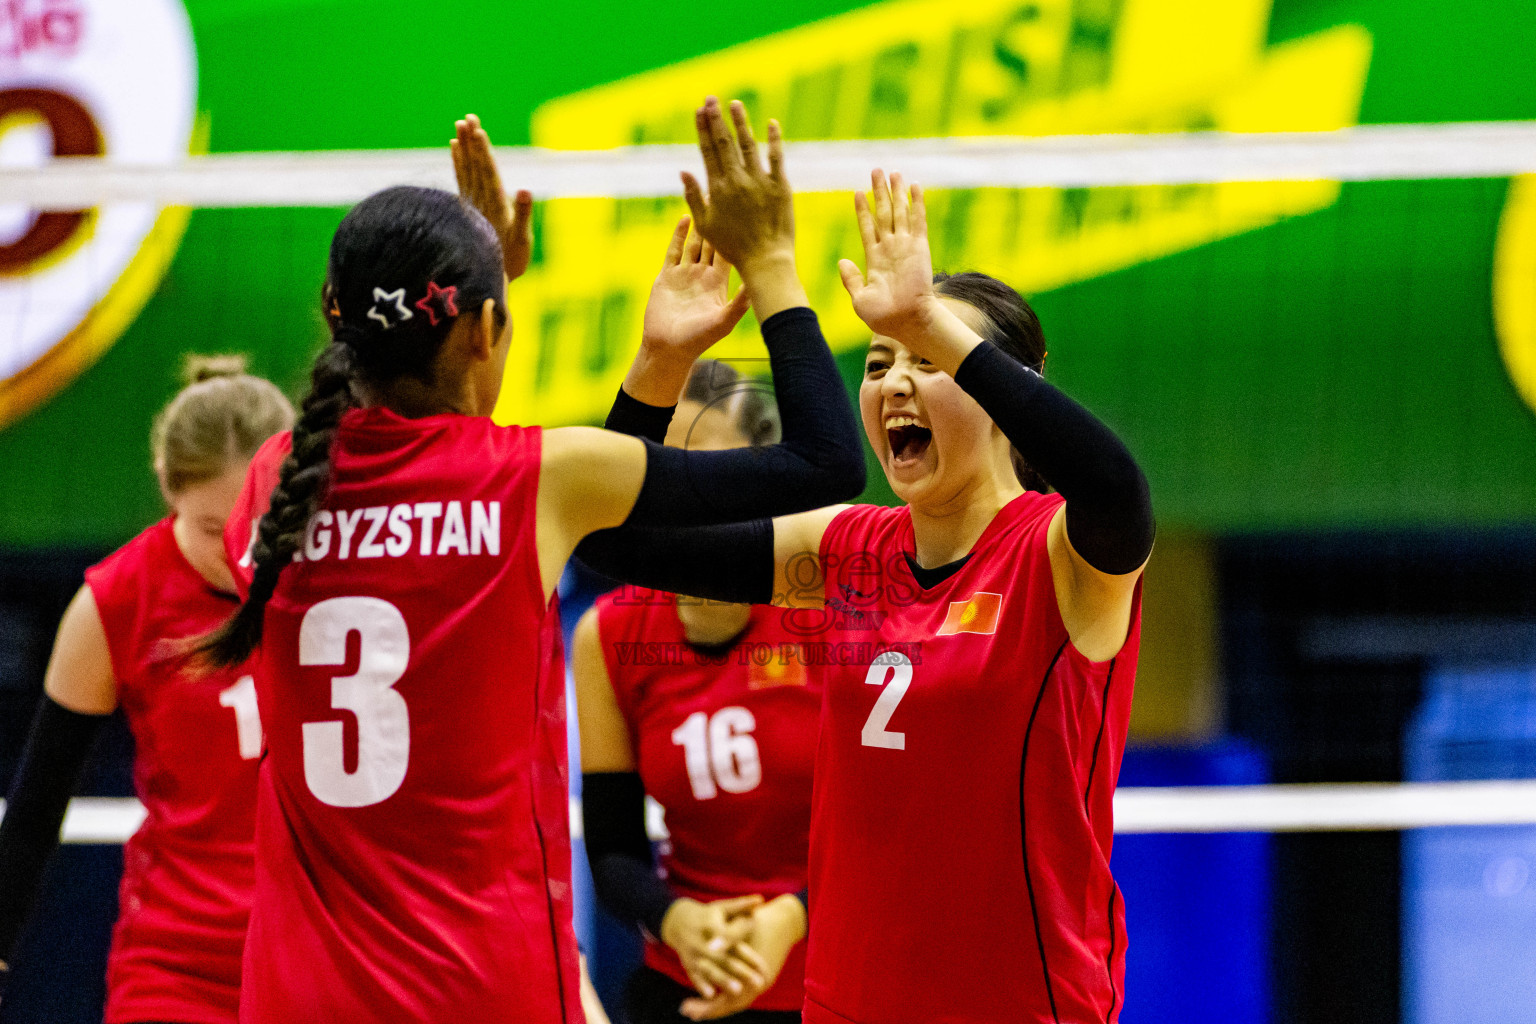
(1323, 807)
(1365, 153)
(1056, 215)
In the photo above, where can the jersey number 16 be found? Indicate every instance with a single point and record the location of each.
(720, 752)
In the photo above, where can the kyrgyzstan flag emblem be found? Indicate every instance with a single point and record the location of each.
(977, 615)
(785, 668)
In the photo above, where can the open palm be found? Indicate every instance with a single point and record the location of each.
(748, 211)
(690, 306)
(893, 293)
(474, 165)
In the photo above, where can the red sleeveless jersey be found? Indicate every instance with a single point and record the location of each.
(962, 818)
(725, 740)
(187, 872)
(413, 824)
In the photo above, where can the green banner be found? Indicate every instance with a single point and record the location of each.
(1285, 355)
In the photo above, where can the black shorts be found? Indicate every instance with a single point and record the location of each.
(653, 998)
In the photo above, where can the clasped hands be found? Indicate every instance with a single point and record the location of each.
(733, 949)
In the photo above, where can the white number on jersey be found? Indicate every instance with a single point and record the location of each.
(242, 697)
(383, 723)
(720, 752)
(899, 668)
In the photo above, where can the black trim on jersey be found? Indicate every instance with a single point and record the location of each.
(1103, 714)
(549, 899)
(1109, 961)
(930, 578)
(549, 904)
(1029, 883)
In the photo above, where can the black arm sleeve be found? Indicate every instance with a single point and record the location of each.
(733, 562)
(819, 462)
(51, 766)
(631, 416)
(1109, 505)
(619, 851)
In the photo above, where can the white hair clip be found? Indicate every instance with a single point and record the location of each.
(398, 298)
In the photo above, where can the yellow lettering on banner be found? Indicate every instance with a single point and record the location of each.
(931, 68)
(1514, 286)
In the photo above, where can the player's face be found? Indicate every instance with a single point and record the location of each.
(703, 428)
(201, 511)
(932, 439)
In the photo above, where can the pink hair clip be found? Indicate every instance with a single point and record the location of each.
(438, 300)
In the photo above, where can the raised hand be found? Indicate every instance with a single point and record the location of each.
(747, 213)
(690, 307)
(895, 296)
(474, 165)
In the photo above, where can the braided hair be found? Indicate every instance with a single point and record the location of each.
(1011, 325)
(403, 265)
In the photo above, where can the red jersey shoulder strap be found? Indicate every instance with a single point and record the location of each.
(858, 538)
(117, 584)
(1029, 513)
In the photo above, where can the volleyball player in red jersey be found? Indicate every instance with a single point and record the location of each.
(412, 853)
(961, 821)
(711, 709)
(187, 877)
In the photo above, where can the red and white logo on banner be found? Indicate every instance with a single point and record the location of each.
(95, 78)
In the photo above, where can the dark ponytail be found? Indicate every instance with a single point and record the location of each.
(1010, 323)
(444, 259)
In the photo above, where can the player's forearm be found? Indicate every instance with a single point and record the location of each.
(939, 334)
(1109, 503)
(657, 376)
(49, 774)
(819, 461)
(638, 418)
(733, 562)
(619, 851)
(773, 282)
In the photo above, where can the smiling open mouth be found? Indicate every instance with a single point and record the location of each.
(908, 443)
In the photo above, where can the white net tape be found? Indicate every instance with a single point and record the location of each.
(1371, 152)
(1300, 808)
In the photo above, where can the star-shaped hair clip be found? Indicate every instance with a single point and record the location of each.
(438, 301)
(394, 311)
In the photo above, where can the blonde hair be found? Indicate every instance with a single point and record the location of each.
(222, 415)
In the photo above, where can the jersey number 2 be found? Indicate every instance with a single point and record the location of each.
(899, 667)
(383, 723)
(719, 752)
